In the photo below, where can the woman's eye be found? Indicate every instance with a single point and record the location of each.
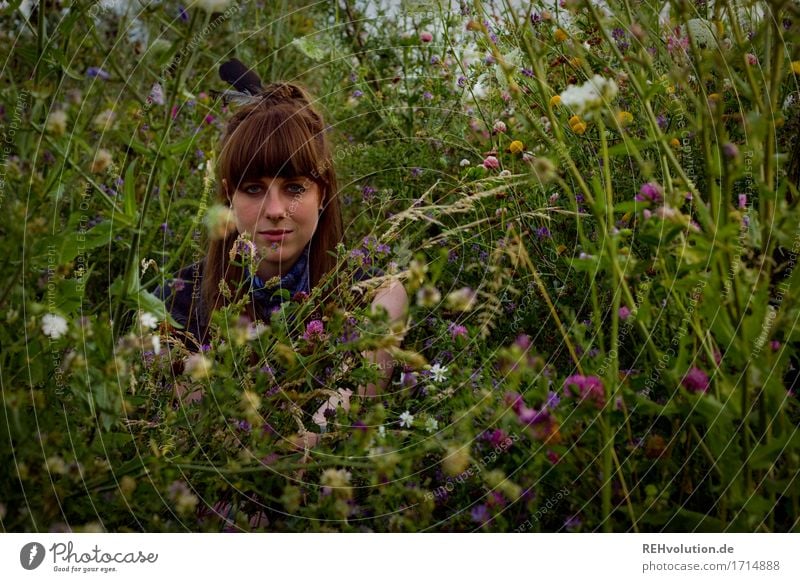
(252, 189)
(296, 188)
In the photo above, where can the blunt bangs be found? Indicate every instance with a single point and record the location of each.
(277, 143)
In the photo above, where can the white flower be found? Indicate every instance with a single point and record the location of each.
(256, 330)
(56, 122)
(592, 95)
(212, 6)
(438, 372)
(156, 344)
(431, 425)
(381, 431)
(197, 366)
(464, 162)
(406, 419)
(104, 120)
(148, 320)
(54, 326)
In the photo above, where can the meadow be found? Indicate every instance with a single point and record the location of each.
(593, 207)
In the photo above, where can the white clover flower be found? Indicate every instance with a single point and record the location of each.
(156, 344)
(593, 94)
(197, 366)
(54, 326)
(381, 431)
(438, 372)
(148, 320)
(406, 419)
(431, 425)
(464, 162)
(56, 122)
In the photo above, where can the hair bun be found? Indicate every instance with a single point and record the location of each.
(282, 92)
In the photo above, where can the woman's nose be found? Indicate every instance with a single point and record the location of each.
(273, 206)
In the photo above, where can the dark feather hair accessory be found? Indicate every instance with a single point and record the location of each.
(246, 82)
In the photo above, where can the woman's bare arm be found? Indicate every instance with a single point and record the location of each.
(394, 298)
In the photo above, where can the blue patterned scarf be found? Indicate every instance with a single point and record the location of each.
(296, 279)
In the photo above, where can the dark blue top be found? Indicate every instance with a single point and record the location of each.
(184, 300)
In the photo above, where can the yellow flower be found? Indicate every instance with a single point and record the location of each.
(674, 142)
(573, 120)
(796, 67)
(624, 117)
(560, 35)
(579, 128)
(575, 62)
(714, 97)
(555, 100)
(516, 146)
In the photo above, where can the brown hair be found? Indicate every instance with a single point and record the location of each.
(279, 133)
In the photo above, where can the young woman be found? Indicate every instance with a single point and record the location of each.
(277, 177)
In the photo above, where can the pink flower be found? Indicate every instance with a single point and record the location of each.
(426, 36)
(742, 201)
(491, 163)
(650, 192)
(624, 313)
(752, 59)
(457, 330)
(499, 127)
(775, 345)
(314, 331)
(586, 388)
(696, 380)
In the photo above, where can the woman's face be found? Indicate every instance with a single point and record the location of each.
(280, 215)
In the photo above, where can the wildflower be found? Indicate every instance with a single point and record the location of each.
(624, 117)
(336, 481)
(579, 128)
(796, 67)
(197, 366)
(431, 425)
(428, 296)
(650, 192)
(406, 419)
(702, 32)
(314, 331)
(516, 146)
(156, 341)
(555, 101)
(560, 35)
(220, 221)
(54, 326)
(97, 72)
(696, 380)
(592, 95)
(185, 501)
(148, 320)
(751, 59)
(427, 95)
(675, 143)
(552, 400)
(102, 160)
(104, 120)
(586, 388)
(457, 330)
(499, 127)
(56, 123)
(543, 232)
(491, 163)
(730, 151)
(742, 201)
(775, 345)
(358, 93)
(572, 523)
(437, 372)
(156, 94)
(624, 313)
(425, 37)
(464, 162)
(505, 173)
(480, 514)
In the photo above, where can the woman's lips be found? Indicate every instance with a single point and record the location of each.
(274, 235)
